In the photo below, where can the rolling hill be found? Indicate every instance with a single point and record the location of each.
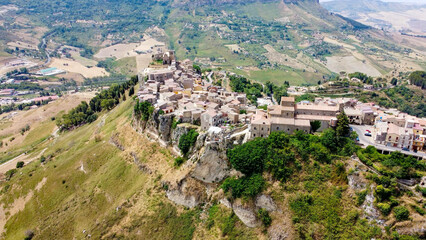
(294, 40)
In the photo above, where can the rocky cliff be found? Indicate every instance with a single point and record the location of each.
(206, 167)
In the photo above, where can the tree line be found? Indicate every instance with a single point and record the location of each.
(105, 100)
(418, 78)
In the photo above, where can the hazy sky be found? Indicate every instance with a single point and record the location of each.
(402, 1)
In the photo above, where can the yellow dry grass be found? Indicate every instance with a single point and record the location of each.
(76, 67)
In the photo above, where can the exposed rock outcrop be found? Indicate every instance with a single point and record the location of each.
(246, 214)
(212, 166)
(265, 202)
(187, 192)
(278, 232)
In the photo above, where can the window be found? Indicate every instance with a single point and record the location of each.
(254, 128)
(278, 128)
(254, 135)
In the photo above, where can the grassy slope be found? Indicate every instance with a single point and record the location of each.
(113, 198)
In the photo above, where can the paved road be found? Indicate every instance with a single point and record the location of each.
(366, 141)
(209, 76)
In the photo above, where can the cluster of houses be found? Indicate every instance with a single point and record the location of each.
(176, 88)
(180, 90)
(290, 116)
(400, 130)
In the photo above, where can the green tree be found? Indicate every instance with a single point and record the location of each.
(131, 91)
(249, 158)
(20, 164)
(329, 140)
(394, 81)
(315, 125)
(248, 186)
(342, 129)
(107, 104)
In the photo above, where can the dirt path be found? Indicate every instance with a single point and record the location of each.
(11, 164)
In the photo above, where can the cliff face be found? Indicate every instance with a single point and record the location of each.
(207, 165)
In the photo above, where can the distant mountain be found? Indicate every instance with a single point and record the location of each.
(408, 18)
(365, 6)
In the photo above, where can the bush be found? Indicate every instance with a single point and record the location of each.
(401, 213)
(42, 159)
(248, 158)
(384, 208)
(178, 161)
(187, 140)
(263, 215)
(361, 197)
(422, 190)
(10, 173)
(382, 193)
(174, 123)
(20, 164)
(244, 187)
(320, 153)
(418, 209)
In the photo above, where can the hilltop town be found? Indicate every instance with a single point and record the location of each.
(178, 89)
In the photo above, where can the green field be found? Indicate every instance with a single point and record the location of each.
(278, 77)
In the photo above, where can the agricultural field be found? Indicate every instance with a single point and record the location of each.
(350, 64)
(72, 66)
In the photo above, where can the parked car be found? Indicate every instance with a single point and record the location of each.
(357, 139)
(405, 149)
(368, 131)
(367, 134)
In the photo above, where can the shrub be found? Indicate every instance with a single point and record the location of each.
(382, 193)
(187, 140)
(361, 197)
(20, 164)
(418, 209)
(42, 159)
(10, 173)
(263, 215)
(178, 161)
(320, 153)
(244, 187)
(401, 213)
(229, 224)
(98, 138)
(422, 190)
(384, 208)
(174, 123)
